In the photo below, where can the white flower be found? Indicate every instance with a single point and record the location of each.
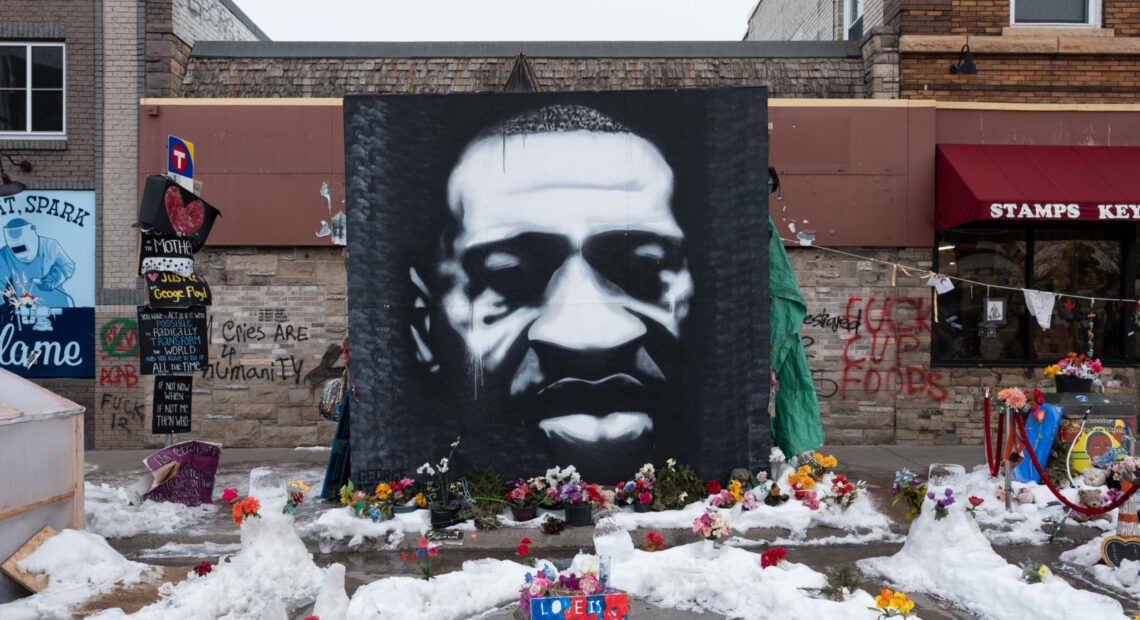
(425, 468)
(777, 455)
(443, 465)
(682, 496)
(670, 463)
(455, 443)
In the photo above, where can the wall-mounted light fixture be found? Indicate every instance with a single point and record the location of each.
(965, 65)
(8, 187)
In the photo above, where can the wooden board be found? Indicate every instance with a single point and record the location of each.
(32, 581)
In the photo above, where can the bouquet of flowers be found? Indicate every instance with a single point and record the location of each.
(639, 490)
(440, 470)
(296, 490)
(711, 525)
(1017, 401)
(1077, 366)
(525, 493)
(547, 583)
(909, 487)
(733, 495)
(843, 491)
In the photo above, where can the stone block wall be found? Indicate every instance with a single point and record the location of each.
(794, 20)
(867, 336)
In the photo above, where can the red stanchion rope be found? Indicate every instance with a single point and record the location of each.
(991, 454)
(1022, 437)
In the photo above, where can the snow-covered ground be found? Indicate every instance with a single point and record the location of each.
(270, 574)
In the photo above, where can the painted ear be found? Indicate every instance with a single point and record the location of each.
(421, 322)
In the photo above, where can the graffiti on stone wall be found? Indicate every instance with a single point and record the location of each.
(235, 342)
(118, 341)
(880, 334)
(211, 20)
(874, 361)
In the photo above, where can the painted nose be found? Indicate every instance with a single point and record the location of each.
(581, 313)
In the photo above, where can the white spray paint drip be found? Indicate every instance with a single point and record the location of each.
(792, 226)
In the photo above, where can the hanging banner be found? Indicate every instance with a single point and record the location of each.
(47, 283)
(172, 399)
(170, 290)
(172, 342)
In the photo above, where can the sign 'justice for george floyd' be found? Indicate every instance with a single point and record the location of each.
(560, 279)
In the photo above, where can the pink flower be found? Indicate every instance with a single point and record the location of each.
(229, 496)
(589, 584)
(773, 557)
(1013, 397)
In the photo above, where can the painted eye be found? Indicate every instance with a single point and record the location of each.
(500, 260)
(652, 251)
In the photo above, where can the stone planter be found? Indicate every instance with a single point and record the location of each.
(525, 513)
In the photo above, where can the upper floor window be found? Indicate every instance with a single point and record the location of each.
(32, 102)
(853, 19)
(1055, 12)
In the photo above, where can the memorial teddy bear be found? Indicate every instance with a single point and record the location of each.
(1094, 476)
(1090, 498)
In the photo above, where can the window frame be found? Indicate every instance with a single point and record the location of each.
(28, 133)
(1130, 251)
(852, 13)
(1092, 6)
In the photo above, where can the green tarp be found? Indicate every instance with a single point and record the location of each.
(797, 427)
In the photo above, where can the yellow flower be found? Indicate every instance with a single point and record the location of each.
(383, 491)
(883, 599)
(421, 500)
(1044, 570)
(736, 490)
(1052, 371)
(830, 461)
(901, 602)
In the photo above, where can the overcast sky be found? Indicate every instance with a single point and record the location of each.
(500, 20)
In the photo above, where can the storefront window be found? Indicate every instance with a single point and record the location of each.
(982, 321)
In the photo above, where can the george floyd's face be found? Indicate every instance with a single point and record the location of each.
(568, 282)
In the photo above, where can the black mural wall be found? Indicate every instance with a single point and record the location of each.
(560, 279)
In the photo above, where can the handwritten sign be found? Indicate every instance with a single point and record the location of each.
(165, 253)
(172, 342)
(1116, 549)
(193, 484)
(170, 290)
(171, 413)
(596, 607)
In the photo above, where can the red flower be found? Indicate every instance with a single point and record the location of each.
(203, 569)
(404, 556)
(525, 540)
(523, 550)
(312, 618)
(713, 487)
(423, 543)
(976, 501)
(773, 557)
(433, 551)
(653, 542)
(229, 496)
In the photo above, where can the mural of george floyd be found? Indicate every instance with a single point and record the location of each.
(558, 279)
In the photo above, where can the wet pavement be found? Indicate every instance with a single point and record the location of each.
(371, 560)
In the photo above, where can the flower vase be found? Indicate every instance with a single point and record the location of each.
(524, 513)
(1069, 383)
(640, 507)
(579, 515)
(709, 547)
(444, 516)
(1127, 523)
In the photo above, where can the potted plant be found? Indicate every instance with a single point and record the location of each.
(555, 478)
(638, 492)
(444, 509)
(399, 494)
(578, 499)
(525, 496)
(1075, 373)
(712, 526)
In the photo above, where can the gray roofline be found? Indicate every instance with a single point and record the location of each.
(244, 19)
(534, 49)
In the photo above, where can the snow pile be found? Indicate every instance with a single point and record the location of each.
(480, 585)
(108, 513)
(952, 559)
(272, 567)
(80, 565)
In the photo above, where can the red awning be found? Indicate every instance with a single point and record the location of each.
(1007, 182)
